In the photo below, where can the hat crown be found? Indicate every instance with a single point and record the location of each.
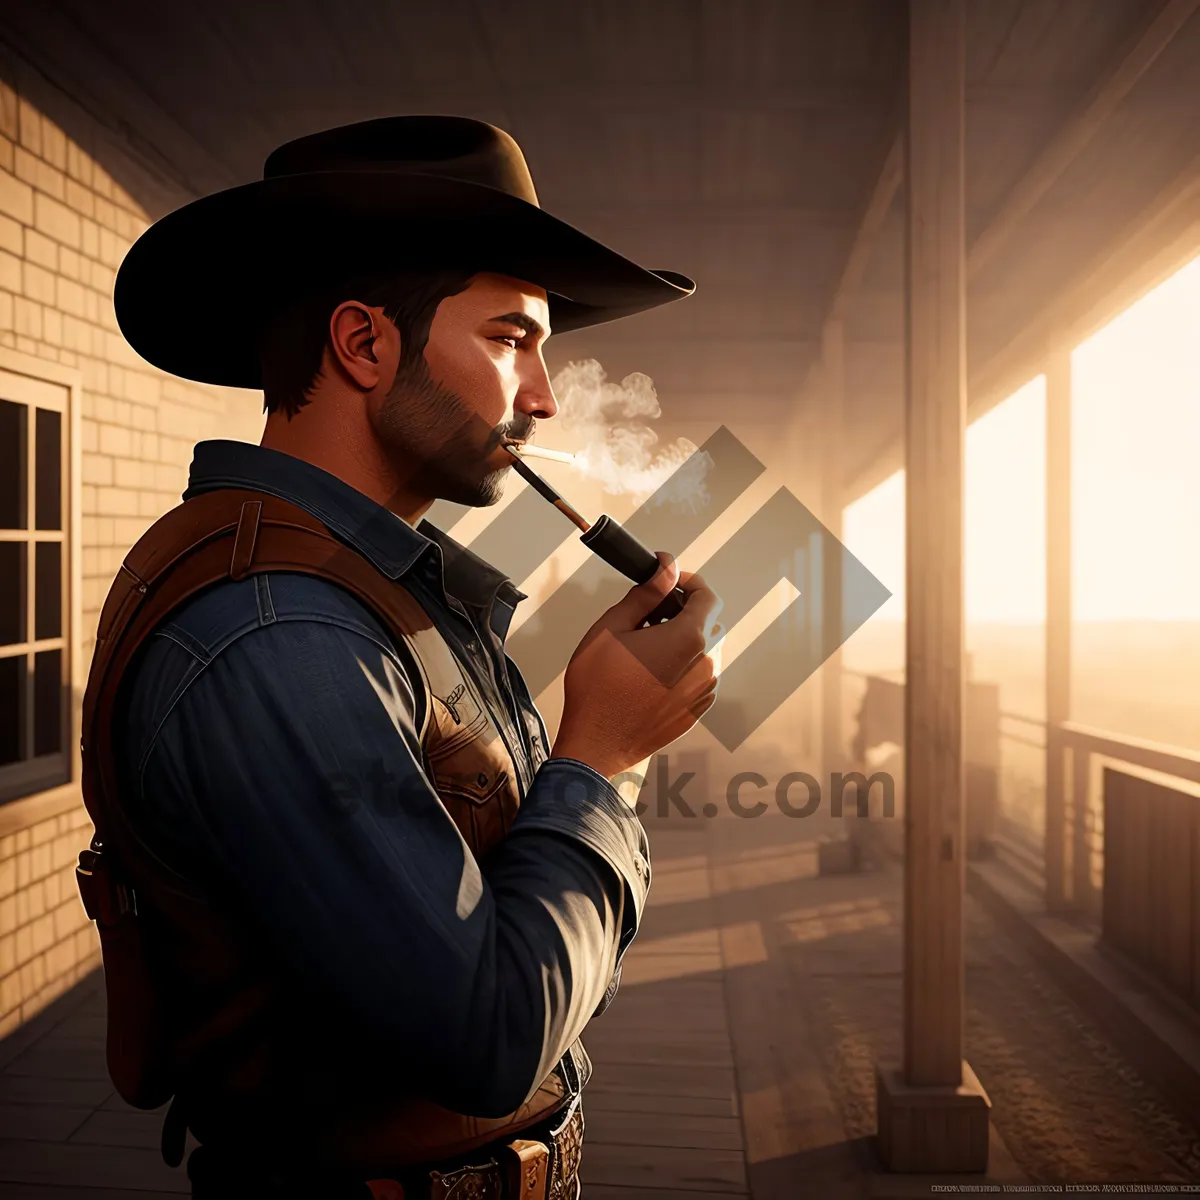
(450, 147)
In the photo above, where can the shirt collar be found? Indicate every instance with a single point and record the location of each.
(392, 545)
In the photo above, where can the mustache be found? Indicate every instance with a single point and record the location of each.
(520, 429)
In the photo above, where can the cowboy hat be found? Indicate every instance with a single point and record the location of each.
(411, 192)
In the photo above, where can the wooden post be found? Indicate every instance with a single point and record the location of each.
(932, 1111)
(832, 484)
(1058, 619)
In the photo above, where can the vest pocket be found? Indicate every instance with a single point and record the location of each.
(476, 786)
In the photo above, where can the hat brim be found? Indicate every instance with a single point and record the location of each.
(184, 289)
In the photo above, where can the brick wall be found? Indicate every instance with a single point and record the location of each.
(64, 227)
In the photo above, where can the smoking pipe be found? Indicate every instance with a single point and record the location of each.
(607, 539)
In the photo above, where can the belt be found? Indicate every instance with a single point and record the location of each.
(541, 1164)
(525, 1168)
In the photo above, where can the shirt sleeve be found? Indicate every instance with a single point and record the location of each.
(302, 778)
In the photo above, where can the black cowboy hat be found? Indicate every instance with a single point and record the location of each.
(420, 191)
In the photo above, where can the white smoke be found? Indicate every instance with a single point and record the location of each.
(619, 449)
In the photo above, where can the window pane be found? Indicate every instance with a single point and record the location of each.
(47, 591)
(47, 702)
(48, 482)
(12, 592)
(12, 702)
(12, 464)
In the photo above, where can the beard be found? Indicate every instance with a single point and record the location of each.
(438, 443)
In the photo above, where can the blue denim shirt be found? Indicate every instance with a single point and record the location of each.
(260, 751)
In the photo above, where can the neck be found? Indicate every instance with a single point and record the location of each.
(344, 446)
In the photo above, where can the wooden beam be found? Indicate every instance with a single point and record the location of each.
(932, 1111)
(869, 227)
(1065, 146)
(870, 224)
(1058, 619)
(1160, 240)
(936, 402)
(833, 388)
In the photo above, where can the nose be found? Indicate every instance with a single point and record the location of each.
(535, 396)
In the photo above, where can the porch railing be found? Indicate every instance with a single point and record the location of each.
(1109, 777)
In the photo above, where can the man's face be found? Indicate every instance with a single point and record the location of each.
(482, 379)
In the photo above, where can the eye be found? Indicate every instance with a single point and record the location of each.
(515, 338)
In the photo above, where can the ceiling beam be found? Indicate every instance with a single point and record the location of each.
(1160, 240)
(1079, 129)
(870, 224)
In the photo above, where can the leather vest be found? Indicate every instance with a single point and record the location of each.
(195, 1009)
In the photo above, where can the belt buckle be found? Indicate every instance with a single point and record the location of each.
(466, 1183)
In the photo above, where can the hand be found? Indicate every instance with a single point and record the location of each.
(629, 692)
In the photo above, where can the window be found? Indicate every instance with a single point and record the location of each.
(37, 558)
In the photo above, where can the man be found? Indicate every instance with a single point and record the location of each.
(378, 907)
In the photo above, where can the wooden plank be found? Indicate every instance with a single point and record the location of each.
(935, 430)
(671, 1080)
(128, 1128)
(866, 238)
(63, 1163)
(1177, 866)
(1066, 145)
(1114, 916)
(788, 1110)
(1138, 872)
(721, 1171)
(1080, 786)
(1058, 617)
(651, 1053)
(33, 1089)
(870, 225)
(1152, 812)
(677, 1026)
(41, 1122)
(683, 1106)
(1148, 843)
(617, 1192)
(54, 1060)
(606, 1127)
(679, 1037)
(1194, 840)
(833, 399)
(76, 1191)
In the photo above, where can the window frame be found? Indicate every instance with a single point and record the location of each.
(38, 383)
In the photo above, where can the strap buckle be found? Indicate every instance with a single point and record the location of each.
(106, 899)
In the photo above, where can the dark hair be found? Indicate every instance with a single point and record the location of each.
(293, 343)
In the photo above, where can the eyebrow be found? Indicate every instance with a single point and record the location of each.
(522, 321)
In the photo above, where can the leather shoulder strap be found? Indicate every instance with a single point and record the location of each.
(230, 533)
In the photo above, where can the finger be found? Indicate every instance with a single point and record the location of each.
(702, 675)
(699, 614)
(640, 601)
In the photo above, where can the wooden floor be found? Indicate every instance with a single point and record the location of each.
(710, 1079)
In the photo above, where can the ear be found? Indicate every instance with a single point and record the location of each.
(364, 345)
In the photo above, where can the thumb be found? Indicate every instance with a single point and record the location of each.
(640, 601)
